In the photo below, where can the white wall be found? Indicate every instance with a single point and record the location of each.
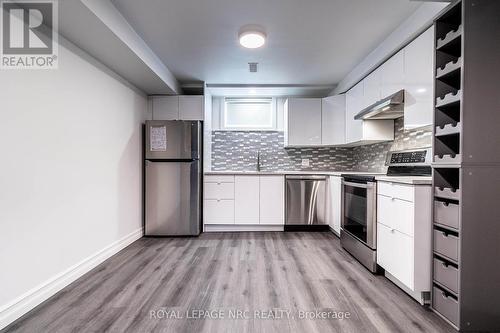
(70, 175)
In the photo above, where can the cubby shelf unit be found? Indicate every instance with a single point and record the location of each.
(466, 166)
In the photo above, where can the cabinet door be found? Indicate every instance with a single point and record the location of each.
(396, 214)
(191, 107)
(246, 199)
(392, 75)
(303, 117)
(217, 211)
(333, 120)
(419, 80)
(165, 107)
(354, 101)
(272, 200)
(395, 254)
(334, 203)
(372, 86)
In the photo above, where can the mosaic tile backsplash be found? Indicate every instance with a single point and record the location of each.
(237, 151)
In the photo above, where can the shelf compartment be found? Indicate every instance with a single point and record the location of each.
(446, 274)
(449, 38)
(449, 98)
(446, 213)
(448, 129)
(449, 68)
(448, 114)
(447, 178)
(447, 193)
(446, 244)
(445, 304)
(447, 148)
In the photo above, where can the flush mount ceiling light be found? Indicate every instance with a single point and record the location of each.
(252, 36)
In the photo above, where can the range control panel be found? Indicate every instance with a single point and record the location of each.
(414, 157)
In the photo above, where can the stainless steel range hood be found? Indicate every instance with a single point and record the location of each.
(391, 107)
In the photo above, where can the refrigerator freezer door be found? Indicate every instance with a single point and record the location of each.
(173, 139)
(173, 198)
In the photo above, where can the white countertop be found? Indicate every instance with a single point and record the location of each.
(412, 180)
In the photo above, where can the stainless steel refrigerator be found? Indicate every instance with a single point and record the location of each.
(173, 175)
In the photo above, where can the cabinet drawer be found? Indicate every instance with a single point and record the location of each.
(219, 190)
(445, 304)
(218, 211)
(393, 190)
(446, 274)
(395, 254)
(446, 213)
(446, 244)
(396, 214)
(219, 179)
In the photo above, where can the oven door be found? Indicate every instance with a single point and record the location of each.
(359, 211)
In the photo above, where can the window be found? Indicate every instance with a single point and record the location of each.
(249, 114)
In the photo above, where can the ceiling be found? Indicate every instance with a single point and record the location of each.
(314, 42)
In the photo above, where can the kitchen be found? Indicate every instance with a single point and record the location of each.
(223, 169)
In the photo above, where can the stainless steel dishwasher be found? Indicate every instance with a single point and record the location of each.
(305, 203)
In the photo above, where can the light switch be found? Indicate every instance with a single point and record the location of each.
(305, 162)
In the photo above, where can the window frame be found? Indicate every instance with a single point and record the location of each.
(273, 110)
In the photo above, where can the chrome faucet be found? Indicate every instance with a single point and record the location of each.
(258, 160)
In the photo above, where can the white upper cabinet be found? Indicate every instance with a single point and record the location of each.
(418, 83)
(165, 107)
(333, 120)
(191, 107)
(392, 74)
(372, 88)
(360, 132)
(354, 104)
(302, 122)
(177, 107)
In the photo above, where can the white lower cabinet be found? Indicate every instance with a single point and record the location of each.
(395, 253)
(218, 200)
(404, 224)
(334, 205)
(246, 199)
(396, 214)
(272, 200)
(218, 211)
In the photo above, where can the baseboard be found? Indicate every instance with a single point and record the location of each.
(307, 227)
(240, 228)
(29, 300)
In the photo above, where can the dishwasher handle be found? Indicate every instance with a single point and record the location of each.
(306, 177)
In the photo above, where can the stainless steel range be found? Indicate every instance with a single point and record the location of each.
(358, 233)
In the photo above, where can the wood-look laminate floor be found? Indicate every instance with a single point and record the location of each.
(231, 271)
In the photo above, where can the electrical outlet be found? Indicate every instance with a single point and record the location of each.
(305, 162)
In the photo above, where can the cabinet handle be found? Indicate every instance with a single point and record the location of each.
(445, 265)
(392, 230)
(218, 183)
(392, 198)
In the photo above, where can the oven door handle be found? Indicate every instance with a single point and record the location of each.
(367, 186)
